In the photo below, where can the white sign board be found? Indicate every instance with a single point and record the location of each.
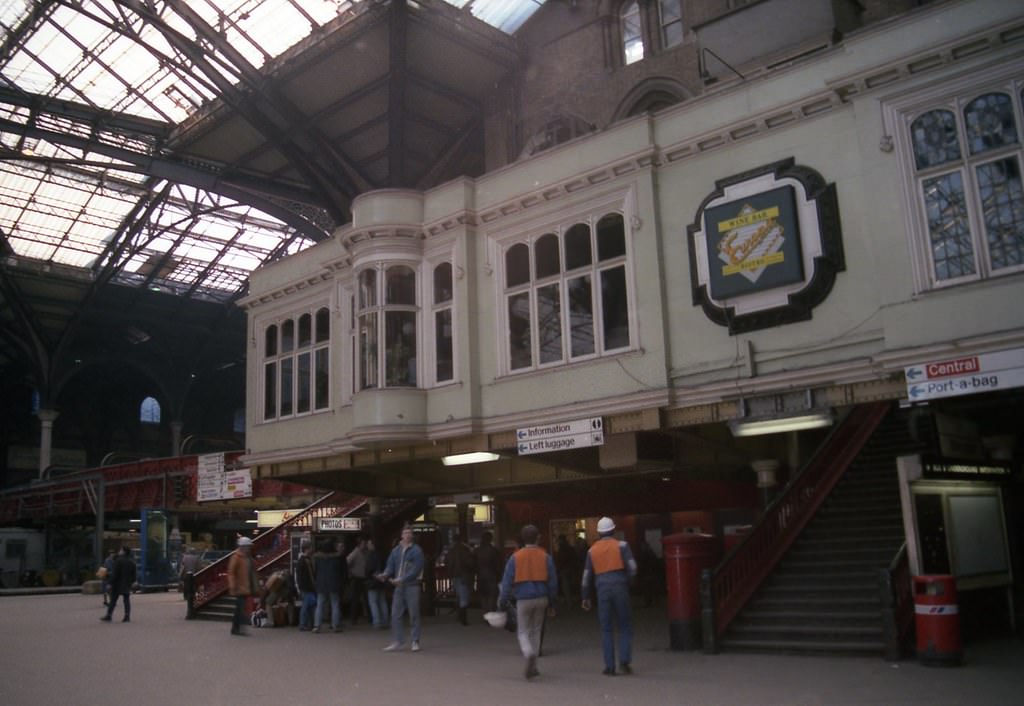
(225, 485)
(210, 463)
(560, 436)
(964, 376)
(338, 524)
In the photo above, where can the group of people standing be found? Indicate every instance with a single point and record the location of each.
(530, 578)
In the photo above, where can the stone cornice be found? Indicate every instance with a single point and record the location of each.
(571, 186)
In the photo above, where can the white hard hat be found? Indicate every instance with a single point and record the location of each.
(244, 542)
(605, 524)
(497, 619)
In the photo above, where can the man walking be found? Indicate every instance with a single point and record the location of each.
(488, 571)
(610, 566)
(531, 578)
(460, 565)
(242, 581)
(405, 572)
(121, 581)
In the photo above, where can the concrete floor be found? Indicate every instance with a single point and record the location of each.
(56, 652)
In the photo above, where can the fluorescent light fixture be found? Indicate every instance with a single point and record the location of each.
(474, 457)
(776, 425)
(135, 520)
(251, 522)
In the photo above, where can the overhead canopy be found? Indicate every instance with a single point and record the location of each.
(176, 146)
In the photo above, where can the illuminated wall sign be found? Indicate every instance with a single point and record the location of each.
(966, 470)
(339, 524)
(765, 247)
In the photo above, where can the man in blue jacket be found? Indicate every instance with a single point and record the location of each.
(530, 576)
(404, 571)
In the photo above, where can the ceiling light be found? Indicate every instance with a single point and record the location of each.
(776, 425)
(474, 457)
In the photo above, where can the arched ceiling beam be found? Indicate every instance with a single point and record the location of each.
(256, 193)
(329, 173)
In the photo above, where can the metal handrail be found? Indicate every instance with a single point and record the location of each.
(894, 585)
(211, 582)
(727, 588)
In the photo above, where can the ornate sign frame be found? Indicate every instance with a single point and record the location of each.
(765, 247)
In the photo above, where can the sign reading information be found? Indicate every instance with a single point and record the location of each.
(560, 436)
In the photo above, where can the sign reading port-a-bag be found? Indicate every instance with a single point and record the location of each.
(765, 247)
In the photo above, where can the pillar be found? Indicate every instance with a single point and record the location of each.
(176, 428)
(46, 419)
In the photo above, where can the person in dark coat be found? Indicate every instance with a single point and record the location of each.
(331, 571)
(488, 568)
(121, 583)
(305, 580)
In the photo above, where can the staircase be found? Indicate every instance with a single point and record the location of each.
(272, 550)
(824, 595)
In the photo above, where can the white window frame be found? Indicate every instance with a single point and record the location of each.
(381, 308)
(528, 233)
(429, 335)
(952, 94)
(313, 348)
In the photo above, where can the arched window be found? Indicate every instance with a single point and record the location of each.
(296, 373)
(554, 131)
(388, 327)
(574, 306)
(149, 411)
(444, 349)
(632, 32)
(967, 158)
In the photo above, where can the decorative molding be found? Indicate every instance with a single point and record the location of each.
(840, 92)
(986, 42)
(572, 186)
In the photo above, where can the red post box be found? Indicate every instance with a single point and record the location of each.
(937, 620)
(686, 556)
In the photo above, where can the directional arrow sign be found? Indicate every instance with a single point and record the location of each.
(561, 443)
(965, 384)
(560, 436)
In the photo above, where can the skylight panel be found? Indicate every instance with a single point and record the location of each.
(506, 15)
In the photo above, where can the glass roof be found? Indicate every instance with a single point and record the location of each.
(73, 203)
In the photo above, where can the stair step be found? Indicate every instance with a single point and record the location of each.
(842, 542)
(822, 632)
(850, 618)
(816, 603)
(837, 647)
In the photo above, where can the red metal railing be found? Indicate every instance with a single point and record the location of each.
(126, 487)
(730, 585)
(272, 546)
